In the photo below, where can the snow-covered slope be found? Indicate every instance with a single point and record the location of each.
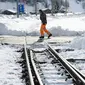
(75, 7)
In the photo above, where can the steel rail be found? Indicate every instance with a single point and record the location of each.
(75, 75)
(35, 69)
(28, 67)
(77, 70)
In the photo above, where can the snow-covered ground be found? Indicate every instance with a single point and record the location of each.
(10, 70)
(29, 24)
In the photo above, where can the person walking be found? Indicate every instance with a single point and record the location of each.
(43, 25)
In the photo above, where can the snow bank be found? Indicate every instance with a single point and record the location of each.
(78, 42)
(10, 25)
(71, 23)
(18, 26)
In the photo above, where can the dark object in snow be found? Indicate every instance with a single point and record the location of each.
(21, 50)
(76, 60)
(69, 50)
(57, 11)
(8, 12)
(44, 10)
(71, 60)
(4, 44)
(58, 50)
(54, 61)
(40, 62)
(64, 50)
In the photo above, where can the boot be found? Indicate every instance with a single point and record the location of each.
(41, 37)
(49, 35)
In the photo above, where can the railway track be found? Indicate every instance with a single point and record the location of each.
(47, 67)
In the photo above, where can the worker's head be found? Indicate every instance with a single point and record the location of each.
(40, 11)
